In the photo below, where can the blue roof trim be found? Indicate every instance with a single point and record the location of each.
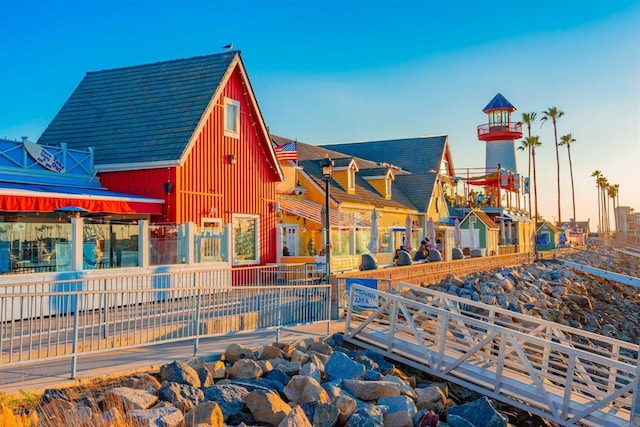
(499, 102)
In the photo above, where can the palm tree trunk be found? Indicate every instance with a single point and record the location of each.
(599, 214)
(555, 134)
(535, 199)
(529, 176)
(573, 193)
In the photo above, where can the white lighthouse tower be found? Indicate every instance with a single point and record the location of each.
(500, 133)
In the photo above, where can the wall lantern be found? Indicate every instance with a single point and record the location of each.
(168, 187)
(232, 159)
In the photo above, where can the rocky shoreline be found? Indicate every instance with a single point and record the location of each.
(324, 382)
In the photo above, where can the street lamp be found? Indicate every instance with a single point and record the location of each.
(327, 171)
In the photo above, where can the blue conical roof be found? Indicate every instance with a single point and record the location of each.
(499, 102)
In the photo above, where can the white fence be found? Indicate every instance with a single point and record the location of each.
(63, 319)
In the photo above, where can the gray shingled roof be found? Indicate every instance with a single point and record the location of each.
(416, 155)
(144, 113)
(420, 156)
(309, 157)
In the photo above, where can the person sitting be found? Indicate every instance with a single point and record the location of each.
(422, 253)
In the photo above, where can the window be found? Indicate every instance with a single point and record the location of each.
(388, 187)
(352, 178)
(245, 239)
(231, 118)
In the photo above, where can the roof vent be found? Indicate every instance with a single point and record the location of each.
(24, 138)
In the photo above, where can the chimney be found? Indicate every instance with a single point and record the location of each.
(24, 138)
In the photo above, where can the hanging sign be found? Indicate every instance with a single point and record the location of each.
(44, 157)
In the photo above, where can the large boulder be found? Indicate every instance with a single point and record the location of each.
(267, 407)
(340, 366)
(181, 373)
(303, 389)
(230, 397)
(208, 413)
(479, 413)
(371, 390)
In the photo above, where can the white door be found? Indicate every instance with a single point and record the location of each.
(290, 240)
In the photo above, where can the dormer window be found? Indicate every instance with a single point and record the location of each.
(231, 118)
(351, 184)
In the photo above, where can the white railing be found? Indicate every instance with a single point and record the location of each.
(563, 374)
(64, 319)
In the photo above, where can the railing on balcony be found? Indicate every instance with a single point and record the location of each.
(488, 128)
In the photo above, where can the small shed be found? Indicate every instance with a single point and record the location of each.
(478, 230)
(547, 236)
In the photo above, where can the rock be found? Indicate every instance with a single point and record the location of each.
(479, 413)
(165, 417)
(218, 370)
(277, 375)
(267, 407)
(325, 415)
(320, 347)
(205, 375)
(208, 413)
(271, 352)
(431, 398)
(182, 396)
(295, 418)
(109, 418)
(303, 389)
(127, 399)
(51, 394)
(398, 404)
(148, 383)
(311, 370)
(340, 365)
(346, 406)
(181, 373)
(371, 390)
(235, 352)
(230, 397)
(370, 416)
(245, 369)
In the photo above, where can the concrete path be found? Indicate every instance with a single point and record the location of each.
(37, 376)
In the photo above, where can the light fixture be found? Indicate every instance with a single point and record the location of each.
(232, 159)
(168, 187)
(327, 171)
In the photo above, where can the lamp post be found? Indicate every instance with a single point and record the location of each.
(327, 171)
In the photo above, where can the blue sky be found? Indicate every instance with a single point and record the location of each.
(341, 71)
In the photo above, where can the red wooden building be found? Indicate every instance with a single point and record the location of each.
(187, 131)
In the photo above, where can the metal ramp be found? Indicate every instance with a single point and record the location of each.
(563, 374)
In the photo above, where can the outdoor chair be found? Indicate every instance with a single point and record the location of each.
(456, 253)
(403, 259)
(368, 262)
(434, 255)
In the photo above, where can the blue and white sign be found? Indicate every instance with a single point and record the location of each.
(362, 299)
(44, 157)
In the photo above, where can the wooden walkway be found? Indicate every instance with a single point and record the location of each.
(563, 374)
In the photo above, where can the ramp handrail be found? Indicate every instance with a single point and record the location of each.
(544, 373)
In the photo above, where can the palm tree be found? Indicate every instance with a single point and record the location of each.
(612, 192)
(603, 184)
(597, 174)
(553, 114)
(528, 119)
(532, 142)
(568, 140)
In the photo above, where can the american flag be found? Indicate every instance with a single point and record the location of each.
(288, 151)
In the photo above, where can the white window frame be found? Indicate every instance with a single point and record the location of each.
(351, 182)
(231, 105)
(388, 186)
(256, 232)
